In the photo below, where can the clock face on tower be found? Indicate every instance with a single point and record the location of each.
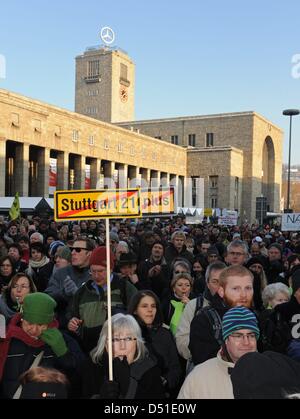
(123, 94)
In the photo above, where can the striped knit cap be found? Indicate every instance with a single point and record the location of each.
(238, 318)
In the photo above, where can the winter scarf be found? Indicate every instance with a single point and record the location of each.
(36, 265)
(14, 331)
(40, 264)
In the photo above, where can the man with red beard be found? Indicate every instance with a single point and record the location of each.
(236, 289)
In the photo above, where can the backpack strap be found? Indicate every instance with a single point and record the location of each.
(199, 304)
(216, 323)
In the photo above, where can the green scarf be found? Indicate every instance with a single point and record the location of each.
(179, 307)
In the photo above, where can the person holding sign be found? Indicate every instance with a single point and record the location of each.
(88, 309)
(135, 373)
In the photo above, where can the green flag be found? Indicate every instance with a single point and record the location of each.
(15, 212)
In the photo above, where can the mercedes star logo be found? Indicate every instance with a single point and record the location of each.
(107, 35)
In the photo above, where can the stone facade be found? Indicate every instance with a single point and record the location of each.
(255, 157)
(225, 165)
(32, 132)
(105, 83)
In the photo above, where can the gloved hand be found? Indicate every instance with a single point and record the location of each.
(70, 287)
(121, 371)
(109, 390)
(55, 339)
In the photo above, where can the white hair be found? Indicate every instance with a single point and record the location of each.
(120, 323)
(270, 292)
(37, 235)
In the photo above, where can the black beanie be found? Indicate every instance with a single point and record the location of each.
(257, 260)
(277, 245)
(268, 375)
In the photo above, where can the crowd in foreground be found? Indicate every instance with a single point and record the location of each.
(199, 311)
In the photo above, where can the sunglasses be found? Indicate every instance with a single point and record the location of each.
(78, 249)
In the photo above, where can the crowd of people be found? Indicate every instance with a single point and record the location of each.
(197, 310)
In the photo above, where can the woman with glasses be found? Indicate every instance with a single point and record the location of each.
(7, 270)
(135, 373)
(146, 309)
(12, 298)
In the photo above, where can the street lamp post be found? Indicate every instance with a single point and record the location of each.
(290, 113)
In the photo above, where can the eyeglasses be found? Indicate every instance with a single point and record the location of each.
(239, 337)
(97, 271)
(127, 339)
(78, 249)
(20, 287)
(236, 254)
(6, 265)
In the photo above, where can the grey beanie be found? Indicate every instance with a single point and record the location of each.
(64, 252)
(113, 236)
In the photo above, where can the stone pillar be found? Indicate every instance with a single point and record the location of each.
(22, 169)
(165, 180)
(123, 176)
(135, 178)
(174, 182)
(187, 192)
(2, 166)
(109, 169)
(43, 160)
(62, 171)
(79, 167)
(155, 179)
(145, 178)
(95, 173)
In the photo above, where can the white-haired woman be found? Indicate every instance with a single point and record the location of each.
(275, 333)
(135, 373)
(275, 294)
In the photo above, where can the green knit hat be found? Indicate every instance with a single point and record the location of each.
(38, 308)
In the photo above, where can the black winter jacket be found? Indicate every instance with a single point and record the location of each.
(203, 344)
(94, 376)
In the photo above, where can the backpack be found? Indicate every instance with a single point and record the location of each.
(199, 304)
(214, 321)
(275, 333)
(212, 316)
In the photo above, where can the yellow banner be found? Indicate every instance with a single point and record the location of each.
(89, 205)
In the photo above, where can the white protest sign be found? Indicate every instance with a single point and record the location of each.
(228, 220)
(290, 222)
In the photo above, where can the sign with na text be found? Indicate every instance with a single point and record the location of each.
(290, 222)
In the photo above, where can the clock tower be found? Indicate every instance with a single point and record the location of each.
(105, 82)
